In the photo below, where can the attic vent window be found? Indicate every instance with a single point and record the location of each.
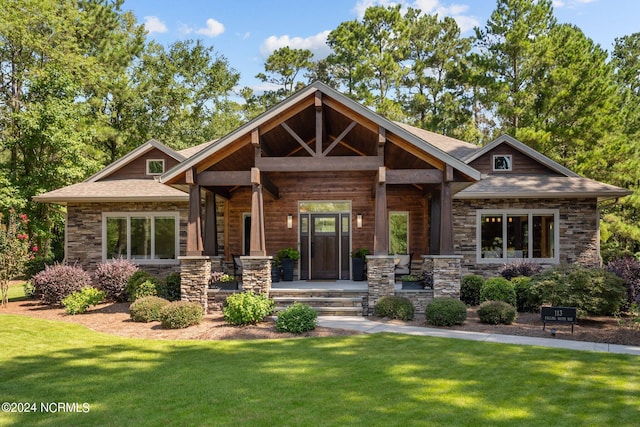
(155, 167)
(502, 163)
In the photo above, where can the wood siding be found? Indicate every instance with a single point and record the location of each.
(339, 186)
(137, 169)
(521, 163)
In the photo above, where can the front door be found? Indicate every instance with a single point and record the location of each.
(325, 246)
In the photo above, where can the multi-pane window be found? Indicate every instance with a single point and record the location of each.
(140, 236)
(504, 235)
(398, 232)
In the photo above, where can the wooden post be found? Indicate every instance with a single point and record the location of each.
(381, 225)
(210, 225)
(257, 243)
(319, 122)
(194, 226)
(446, 214)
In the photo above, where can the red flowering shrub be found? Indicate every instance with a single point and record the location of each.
(14, 250)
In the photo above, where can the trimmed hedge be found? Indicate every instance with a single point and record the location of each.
(470, 289)
(169, 288)
(246, 308)
(593, 291)
(394, 307)
(147, 309)
(141, 284)
(79, 301)
(498, 289)
(446, 312)
(496, 312)
(58, 281)
(181, 314)
(525, 301)
(297, 318)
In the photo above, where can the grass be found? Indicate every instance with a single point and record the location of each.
(380, 379)
(16, 293)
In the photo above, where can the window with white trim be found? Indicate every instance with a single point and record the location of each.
(155, 166)
(502, 162)
(511, 234)
(145, 237)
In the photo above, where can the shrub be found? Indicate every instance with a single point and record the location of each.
(112, 277)
(394, 307)
(446, 312)
(592, 291)
(79, 301)
(181, 314)
(169, 289)
(297, 318)
(470, 289)
(628, 269)
(147, 309)
(56, 282)
(525, 301)
(246, 308)
(498, 289)
(496, 312)
(520, 268)
(28, 289)
(137, 288)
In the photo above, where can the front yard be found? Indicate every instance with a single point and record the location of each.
(379, 379)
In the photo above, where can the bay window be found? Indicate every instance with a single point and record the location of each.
(510, 234)
(142, 237)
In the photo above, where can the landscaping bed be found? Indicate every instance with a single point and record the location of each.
(114, 319)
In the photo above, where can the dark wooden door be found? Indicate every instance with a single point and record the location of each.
(325, 246)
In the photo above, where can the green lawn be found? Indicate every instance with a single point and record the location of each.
(16, 293)
(367, 380)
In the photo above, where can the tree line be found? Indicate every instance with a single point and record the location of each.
(81, 84)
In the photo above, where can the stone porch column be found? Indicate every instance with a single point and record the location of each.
(380, 278)
(217, 263)
(447, 273)
(195, 275)
(256, 274)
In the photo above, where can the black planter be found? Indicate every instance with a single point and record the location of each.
(287, 270)
(357, 266)
(412, 285)
(227, 286)
(275, 273)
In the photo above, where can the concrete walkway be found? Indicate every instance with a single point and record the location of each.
(370, 327)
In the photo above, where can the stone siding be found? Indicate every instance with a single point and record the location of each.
(579, 230)
(195, 274)
(419, 298)
(446, 271)
(256, 274)
(84, 232)
(381, 279)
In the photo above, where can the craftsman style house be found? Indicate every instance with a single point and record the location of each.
(323, 174)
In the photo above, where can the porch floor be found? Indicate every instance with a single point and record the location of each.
(337, 285)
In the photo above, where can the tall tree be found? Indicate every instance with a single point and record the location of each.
(283, 66)
(514, 47)
(435, 97)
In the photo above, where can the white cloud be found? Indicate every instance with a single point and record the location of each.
(153, 24)
(316, 44)
(213, 28)
(185, 29)
(456, 11)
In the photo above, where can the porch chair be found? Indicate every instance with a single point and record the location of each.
(403, 265)
(237, 267)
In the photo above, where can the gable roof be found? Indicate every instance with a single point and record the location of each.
(523, 148)
(454, 147)
(347, 102)
(132, 155)
(123, 190)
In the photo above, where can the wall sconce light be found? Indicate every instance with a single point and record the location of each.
(359, 220)
(289, 221)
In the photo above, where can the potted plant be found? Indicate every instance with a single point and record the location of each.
(358, 263)
(275, 270)
(411, 281)
(287, 257)
(224, 281)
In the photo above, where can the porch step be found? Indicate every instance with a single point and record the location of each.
(324, 305)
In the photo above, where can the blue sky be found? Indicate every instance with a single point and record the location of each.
(247, 31)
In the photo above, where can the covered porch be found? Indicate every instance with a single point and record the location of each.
(268, 185)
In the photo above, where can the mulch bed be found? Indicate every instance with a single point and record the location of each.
(113, 318)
